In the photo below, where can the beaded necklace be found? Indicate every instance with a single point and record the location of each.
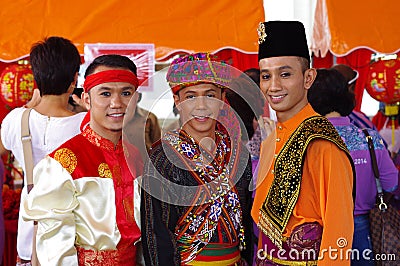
(223, 202)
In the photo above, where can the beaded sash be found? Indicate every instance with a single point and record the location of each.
(215, 208)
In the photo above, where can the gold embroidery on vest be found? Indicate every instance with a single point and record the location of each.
(104, 170)
(285, 189)
(117, 175)
(129, 208)
(66, 158)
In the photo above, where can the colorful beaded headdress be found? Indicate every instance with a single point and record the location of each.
(198, 68)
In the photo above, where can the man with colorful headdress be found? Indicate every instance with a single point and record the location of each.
(83, 194)
(195, 198)
(303, 204)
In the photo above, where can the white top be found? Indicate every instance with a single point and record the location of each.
(48, 133)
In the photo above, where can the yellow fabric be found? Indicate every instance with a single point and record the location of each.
(65, 208)
(172, 26)
(356, 24)
(325, 193)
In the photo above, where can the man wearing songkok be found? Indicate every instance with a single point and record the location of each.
(303, 204)
(195, 207)
(86, 213)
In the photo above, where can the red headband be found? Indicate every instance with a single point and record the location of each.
(114, 75)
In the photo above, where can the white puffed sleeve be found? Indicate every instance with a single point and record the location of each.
(51, 202)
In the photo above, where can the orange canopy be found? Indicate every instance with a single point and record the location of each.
(342, 26)
(171, 25)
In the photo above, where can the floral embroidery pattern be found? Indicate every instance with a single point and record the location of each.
(104, 170)
(66, 158)
(261, 33)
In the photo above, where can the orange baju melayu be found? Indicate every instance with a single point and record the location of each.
(325, 195)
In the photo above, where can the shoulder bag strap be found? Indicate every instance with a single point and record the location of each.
(28, 158)
(382, 205)
(27, 147)
(372, 153)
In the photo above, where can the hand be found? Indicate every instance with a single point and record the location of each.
(267, 126)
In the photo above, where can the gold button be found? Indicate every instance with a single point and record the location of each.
(272, 171)
(280, 127)
(278, 139)
(276, 155)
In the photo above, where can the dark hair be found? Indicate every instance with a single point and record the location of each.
(55, 62)
(111, 60)
(254, 74)
(78, 92)
(304, 63)
(329, 93)
(242, 96)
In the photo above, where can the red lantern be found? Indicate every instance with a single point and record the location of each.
(17, 84)
(383, 81)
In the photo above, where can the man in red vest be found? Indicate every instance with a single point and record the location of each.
(85, 212)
